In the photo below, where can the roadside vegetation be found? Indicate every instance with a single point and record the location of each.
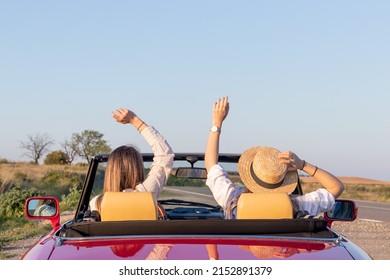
(18, 181)
(359, 191)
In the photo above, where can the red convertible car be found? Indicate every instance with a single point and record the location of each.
(186, 223)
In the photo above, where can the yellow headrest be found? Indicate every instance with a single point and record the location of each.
(122, 206)
(264, 206)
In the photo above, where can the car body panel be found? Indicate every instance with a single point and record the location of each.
(232, 248)
(41, 250)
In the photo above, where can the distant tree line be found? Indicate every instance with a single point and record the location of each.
(83, 145)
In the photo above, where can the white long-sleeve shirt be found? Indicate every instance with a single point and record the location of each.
(162, 163)
(160, 168)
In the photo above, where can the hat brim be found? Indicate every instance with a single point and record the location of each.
(288, 185)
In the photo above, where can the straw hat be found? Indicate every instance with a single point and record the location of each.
(261, 171)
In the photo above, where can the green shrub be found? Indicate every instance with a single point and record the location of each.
(57, 157)
(58, 183)
(71, 200)
(12, 202)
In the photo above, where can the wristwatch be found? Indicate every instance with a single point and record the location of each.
(215, 128)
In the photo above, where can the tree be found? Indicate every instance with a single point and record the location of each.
(70, 149)
(57, 157)
(89, 143)
(37, 145)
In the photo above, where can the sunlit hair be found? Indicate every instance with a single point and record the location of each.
(125, 170)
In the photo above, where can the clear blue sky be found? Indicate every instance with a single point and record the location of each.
(308, 76)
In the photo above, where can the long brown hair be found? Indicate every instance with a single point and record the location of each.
(125, 170)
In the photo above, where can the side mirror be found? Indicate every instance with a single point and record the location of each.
(342, 210)
(191, 173)
(43, 208)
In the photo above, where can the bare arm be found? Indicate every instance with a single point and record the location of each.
(220, 111)
(212, 250)
(329, 181)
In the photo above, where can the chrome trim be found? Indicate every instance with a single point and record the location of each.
(183, 236)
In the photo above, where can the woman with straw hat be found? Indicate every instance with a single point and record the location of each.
(265, 169)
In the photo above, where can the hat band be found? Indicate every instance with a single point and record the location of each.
(262, 183)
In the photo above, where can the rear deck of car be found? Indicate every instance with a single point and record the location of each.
(184, 239)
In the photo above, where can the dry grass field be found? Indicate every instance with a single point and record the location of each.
(33, 171)
(356, 188)
(351, 180)
(15, 173)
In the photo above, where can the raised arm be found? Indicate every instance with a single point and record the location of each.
(220, 111)
(162, 151)
(329, 181)
(125, 116)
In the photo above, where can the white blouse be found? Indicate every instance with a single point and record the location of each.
(160, 168)
(224, 190)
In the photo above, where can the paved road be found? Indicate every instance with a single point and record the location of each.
(377, 211)
(198, 194)
(371, 211)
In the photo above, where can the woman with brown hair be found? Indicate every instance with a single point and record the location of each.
(125, 168)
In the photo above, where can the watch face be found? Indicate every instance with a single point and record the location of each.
(214, 128)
